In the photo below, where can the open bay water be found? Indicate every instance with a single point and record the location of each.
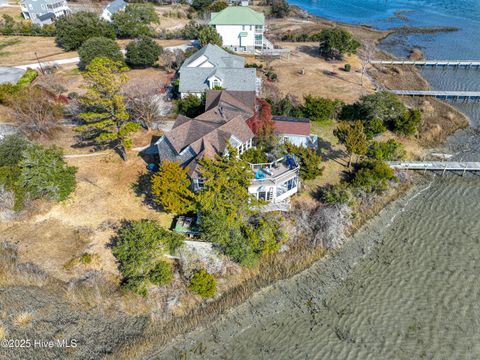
(407, 285)
(459, 45)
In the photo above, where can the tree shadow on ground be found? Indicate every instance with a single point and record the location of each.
(143, 188)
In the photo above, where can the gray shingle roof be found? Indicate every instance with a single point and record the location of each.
(35, 6)
(116, 6)
(229, 68)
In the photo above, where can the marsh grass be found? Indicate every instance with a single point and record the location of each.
(23, 319)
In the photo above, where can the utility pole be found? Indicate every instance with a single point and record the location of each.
(39, 64)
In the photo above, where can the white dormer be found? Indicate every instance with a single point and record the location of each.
(202, 62)
(214, 81)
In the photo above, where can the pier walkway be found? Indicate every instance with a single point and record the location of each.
(431, 63)
(443, 166)
(445, 95)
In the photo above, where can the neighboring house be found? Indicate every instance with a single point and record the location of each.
(239, 2)
(295, 131)
(229, 117)
(42, 12)
(112, 8)
(212, 67)
(241, 28)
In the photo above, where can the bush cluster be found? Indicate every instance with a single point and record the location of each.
(336, 42)
(99, 47)
(191, 105)
(9, 26)
(32, 171)
(7, 90)
(316, 108)
(381, 111)
(339, 194)
(143, 52)
(74, 29)
(203, 283)
(372, 176)
(140, 248)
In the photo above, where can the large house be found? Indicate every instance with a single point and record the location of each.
(112, 8)
(212, 68)
(241, 28)
(42, 12)
(229, 117)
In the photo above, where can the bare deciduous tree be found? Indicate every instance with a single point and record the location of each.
(52, 83)
(36, 112)
(322, 225)
(145, 102)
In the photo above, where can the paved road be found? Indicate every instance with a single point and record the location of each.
(10, 75)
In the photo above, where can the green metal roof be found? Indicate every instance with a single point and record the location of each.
(237, 15)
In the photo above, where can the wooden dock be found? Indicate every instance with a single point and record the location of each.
(442, 166)
(432, 63)
(464, 96)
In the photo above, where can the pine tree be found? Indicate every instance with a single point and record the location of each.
(106, 120)
(352, 135)
(170, 186)
(226, 181)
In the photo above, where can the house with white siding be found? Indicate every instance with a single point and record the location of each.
(241, 28)
(112, 8)
(43, 12)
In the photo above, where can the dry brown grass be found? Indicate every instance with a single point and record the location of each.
(172, 17)
(23, 52)
(321, 77)
(13, 10)
(23, 319)
(83, 223)
(3, 332)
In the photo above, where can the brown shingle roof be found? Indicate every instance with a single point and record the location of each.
(226, 115)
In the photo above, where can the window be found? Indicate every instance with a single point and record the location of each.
(216, 83)
(266, 195)
(258, 28)
(243, 27)
(198, 184)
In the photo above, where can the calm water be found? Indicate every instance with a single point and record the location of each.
(414, 296)
(464, 44)
(407, 286)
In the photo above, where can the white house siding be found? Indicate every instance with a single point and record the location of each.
(231, 37)
(301, 140)
(277, 191)
(107, 15)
